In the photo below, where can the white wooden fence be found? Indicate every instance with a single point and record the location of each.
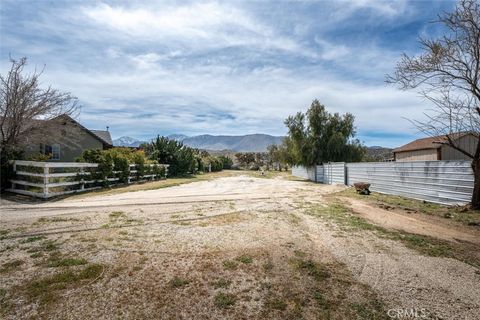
(33, 178)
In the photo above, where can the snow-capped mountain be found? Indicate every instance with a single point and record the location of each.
(127, 142)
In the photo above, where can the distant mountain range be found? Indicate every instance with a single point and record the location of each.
(376, 153)
(127, 142)
(250, 142)
(246, 143)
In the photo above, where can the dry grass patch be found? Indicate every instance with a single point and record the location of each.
(229, 265)
(460, 214)
(221, 283)
(45, 289)
(224, 300)
(178, 282)
(245, 259)
(11, 266)
(349, 222)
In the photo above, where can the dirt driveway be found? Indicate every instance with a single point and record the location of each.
(237, 247)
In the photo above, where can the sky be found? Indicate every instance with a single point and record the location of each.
(147, 68)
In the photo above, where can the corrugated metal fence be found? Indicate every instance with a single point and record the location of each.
(334, 173)
(446, 182)
(308, 173)
(319, 174)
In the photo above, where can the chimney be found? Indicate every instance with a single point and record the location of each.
(107, 127)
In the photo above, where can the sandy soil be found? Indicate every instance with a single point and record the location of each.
(231, 248)
(413, 224)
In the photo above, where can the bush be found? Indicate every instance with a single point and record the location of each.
(40, 157)
(182, 159)
(158, 170)
(138, 158)
(105, 164)
(6, 169)
(227, 162)
(119, 160)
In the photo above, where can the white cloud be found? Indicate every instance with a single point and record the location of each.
(201, 25)
(332, 51)
(380, 8)
(389, 8)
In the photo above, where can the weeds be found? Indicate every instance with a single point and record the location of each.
(45, 289)
(222, 283)
(178, 282)
(230, 265)
(36, 255)
(12, 265)
(224, 300)
(277, 304)
(3, 233)
(313, 269)
(115, 215)
(32, 239)
(3, 293)
(49, 245)
(245, 258)
(66, 262)
(44, 220)
(267, 266)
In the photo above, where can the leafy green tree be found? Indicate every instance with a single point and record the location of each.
(245, 159)
(227, 162)
(181, 159)
(317, 136)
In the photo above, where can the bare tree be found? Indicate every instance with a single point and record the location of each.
(27, 111)
(447, 74)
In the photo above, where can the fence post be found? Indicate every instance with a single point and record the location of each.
(15, 171)
(345, 173)
(82, 181)
(46, 171)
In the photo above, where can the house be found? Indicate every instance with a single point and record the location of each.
(66, 139)
(433, 148)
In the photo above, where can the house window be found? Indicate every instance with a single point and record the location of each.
(52, 150)
(56, 152)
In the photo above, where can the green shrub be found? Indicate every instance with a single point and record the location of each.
(6, 168)
(138, 158)
(227, 162)
(118, 160)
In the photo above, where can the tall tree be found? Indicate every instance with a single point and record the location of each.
(180, 158)
(447, 73)
(23, 102)
(318, 136)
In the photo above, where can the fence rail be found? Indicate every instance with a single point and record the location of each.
(34, 178)
(445, 182)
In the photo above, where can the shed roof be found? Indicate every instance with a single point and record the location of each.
(428, 143)
(103, 135)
